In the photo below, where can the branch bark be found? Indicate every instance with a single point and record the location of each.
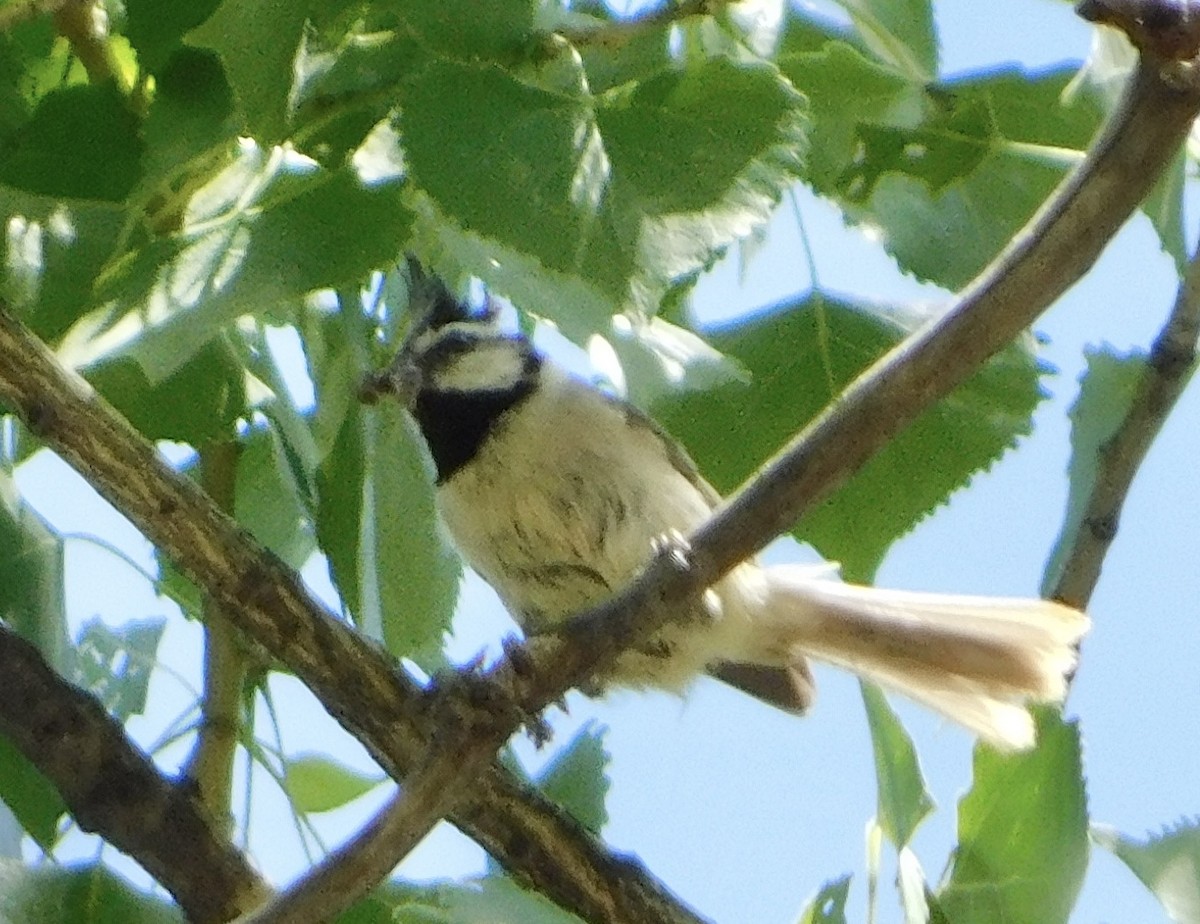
(1051, 253)
(358, 685)
(1058, 246)
(113, 789)
(1166, 373)
(210, 764)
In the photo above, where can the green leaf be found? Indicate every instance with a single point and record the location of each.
(53, 251)
(493, 900)
(316, 783)
(155, 28)
(645, 53)
(914, 892)
(1164, 207)
(948, 195)
(191, 113)
(81, 142)
(115, 665)
(900, 32)
(258, 42)
(376, 519)
(268, 501)
(198, 403)
(31, 797)
(684, 139)
(375, 909)
(699, 159)
(410, 572)
(944, 173)
(344, 90)
(1168, 864)
(24, 50)
(265, 232)
(1106, 392)
(78, 895)
(904, 801)
(513, 163)
(829, 905)
(473, 29)
(32, 577)
(577, 778)
(1022, 833)
(579, 208)
(340, 510)
(799, 355)
(806, 30)
(847, 93)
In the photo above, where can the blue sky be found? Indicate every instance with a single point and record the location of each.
(743, 811)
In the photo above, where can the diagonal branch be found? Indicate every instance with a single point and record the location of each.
(359, 686)
(1167, 371)
(1058, 246)
(1060, 243)
(115, 790)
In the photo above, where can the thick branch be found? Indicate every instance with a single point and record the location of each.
(359, 685)
(269, 605)
(113, 789)
(1167, 371)
(1058, 246)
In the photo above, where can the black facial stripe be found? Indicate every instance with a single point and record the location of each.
(452, 343)
(461, 340)
(456, 423)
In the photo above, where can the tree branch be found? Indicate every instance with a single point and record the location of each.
(114, 790)
(1166, 373)
(75, 21)
(359, 685)
(355, 683)
(1051, 253)
(1058, 246)
(210, 765)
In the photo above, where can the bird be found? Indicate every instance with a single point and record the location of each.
(556, 493)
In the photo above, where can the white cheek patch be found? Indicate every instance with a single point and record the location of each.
(490, 366)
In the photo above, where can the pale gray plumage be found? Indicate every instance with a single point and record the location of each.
(555, 493)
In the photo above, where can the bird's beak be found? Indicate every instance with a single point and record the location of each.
(401, 381)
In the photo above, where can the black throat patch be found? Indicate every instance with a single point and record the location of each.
(456, 423)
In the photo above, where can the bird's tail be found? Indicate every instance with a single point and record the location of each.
(978, 661)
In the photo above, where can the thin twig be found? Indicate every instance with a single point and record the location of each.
(1057, 247)
(540, 845)
(1167, 371)
(210, 764)
(356, 685)
(76, 21)
(349, 873)
(114, 790)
